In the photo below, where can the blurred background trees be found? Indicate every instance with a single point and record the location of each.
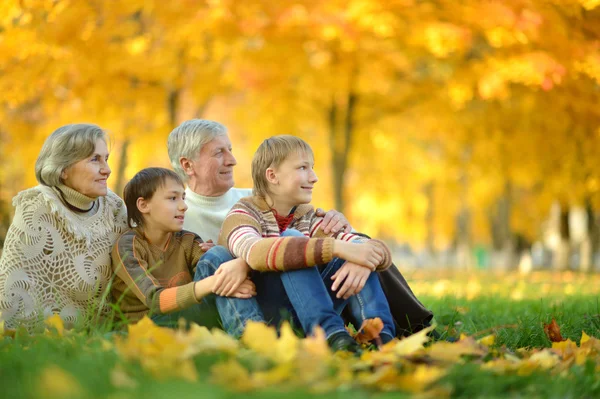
(467, 131)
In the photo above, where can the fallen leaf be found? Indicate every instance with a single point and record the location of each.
(488, 340)
(408, 345)
(552, 331)
(56, 323)
(369, 330)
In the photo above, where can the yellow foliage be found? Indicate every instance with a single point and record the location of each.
(54, 382)
(56, 323)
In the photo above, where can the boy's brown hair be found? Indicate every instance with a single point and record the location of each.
(144, 184)
(270, 154)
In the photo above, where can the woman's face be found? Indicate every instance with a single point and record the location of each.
(89, 175)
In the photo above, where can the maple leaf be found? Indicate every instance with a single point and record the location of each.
(369, 331)
(552, 331)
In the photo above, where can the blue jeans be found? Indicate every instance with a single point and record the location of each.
(215, 311)
(307, 294)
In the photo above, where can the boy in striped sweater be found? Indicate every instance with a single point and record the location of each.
(161, 270)
(296, 265)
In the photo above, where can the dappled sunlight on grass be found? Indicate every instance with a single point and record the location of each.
(472, 284)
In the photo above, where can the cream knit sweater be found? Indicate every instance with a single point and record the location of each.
(58, 261)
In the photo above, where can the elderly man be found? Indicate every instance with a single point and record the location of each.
(201, 153)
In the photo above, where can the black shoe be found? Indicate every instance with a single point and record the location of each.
(342, 341)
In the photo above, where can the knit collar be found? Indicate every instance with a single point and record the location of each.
(298, 211)
(75, 198)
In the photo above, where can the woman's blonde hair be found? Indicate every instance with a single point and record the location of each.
(270, 154)
(66, 146)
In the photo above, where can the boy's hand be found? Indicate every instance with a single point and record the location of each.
(205, 246)
(353, 277)
(364, 254)
(229, 276)
(333, 221)
(246, 290)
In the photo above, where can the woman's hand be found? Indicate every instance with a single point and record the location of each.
(229, 276)
(353, 276)
(364, 254)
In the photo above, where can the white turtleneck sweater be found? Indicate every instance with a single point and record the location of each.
(205, 215)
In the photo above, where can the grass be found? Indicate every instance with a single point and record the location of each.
(27, 363)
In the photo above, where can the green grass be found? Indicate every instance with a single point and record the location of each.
(24, 359)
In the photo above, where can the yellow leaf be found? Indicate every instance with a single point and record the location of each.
(260, 338)
(488, 340)
(56, 323)
(57, 383)
(584, 338)
(453, 352)
(421, 378)
(408, 345)
(233, 375)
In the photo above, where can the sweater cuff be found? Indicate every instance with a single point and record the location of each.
(327, 250)
(186, 296)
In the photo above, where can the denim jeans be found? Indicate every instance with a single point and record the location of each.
(215, 311)
(307, 294)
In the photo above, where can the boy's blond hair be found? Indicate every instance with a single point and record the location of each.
(270, 154)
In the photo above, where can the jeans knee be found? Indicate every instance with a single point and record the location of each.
(217, 254)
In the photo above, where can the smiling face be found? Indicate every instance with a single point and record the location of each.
(165, 211)
(291, 183)
(211, 171)
(89, 175)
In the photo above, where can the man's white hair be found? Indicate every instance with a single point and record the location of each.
(187, 139)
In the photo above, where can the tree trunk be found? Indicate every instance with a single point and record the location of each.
(503, 240)
(120, 184)
(340, 138)
(560, 260)
(589, 245)
(428, 190)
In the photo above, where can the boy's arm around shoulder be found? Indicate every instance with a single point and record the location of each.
(129, 263)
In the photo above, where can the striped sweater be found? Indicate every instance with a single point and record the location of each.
(250, 231)
(150, 280)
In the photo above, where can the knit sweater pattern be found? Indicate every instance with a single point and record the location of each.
(58, 261)
(250, 231)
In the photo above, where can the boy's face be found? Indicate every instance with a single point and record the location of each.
(165, 210)
(295, 179)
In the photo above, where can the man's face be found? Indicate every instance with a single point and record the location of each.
(211, 171)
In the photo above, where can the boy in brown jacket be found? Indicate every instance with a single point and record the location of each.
(161, 270)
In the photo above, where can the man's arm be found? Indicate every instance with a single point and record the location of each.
(333, 221)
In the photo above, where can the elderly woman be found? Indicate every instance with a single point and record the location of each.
(56, 256)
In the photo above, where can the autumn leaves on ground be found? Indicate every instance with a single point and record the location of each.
(514, 341)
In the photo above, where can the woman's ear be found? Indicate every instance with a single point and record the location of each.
(142, 205)
(271, 176)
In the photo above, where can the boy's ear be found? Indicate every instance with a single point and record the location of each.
(186, 165)
(271, 176)
(142, 205)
